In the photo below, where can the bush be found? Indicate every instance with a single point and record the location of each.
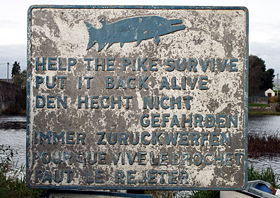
(273, 99)
(206, 194)
(12, 183)
(267, 175)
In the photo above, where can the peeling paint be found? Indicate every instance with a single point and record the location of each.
(80, 119)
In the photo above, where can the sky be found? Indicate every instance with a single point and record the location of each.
(264, 25)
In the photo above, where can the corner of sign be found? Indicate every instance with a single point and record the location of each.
(245, 9)
(29, 11)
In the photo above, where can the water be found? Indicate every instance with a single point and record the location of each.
(265, 125)
(12, 119)
(269, 125)
(258, 124)
(14, 138)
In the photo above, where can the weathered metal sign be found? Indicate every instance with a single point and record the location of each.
(137, 97)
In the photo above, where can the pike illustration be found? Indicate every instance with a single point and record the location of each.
(132, 29)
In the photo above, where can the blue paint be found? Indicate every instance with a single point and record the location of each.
(174, 121)
(61, 80)
(39, 64)
(192, 65)
(111, 138)
(197, 159)
(94, 103)
(44, 137)
(52, 84)
(82, 101)
(171, 138)
(122, 138)
(232, 65)
(146, 122)
(127, 99)
(132, 140)
(163, 159)
(172, 179)
(156, 138)
(117, 101)
(174, 84)
(131, 157)
(79, 187)
(187, 120)
(59, 137)
(99, 63)
(155, 120)
(100, 140)
(52, 63)
(198, 118)
(132, 29)
(103, 103)
(109, 82)
(214, 140)
(88, 60)
(142, 82)
(131, 177)
(40, 101)
(71, 62)
(141, 64)
(162, 103)
(187, 100)
(164, 83)
(209, 121)
(119, 177)
(110, 64)
(204, 64)
(70, 138)
(38, 80)
(143, 139)
(203, 83)
(183, 139)
(88, 79)
(165, 119)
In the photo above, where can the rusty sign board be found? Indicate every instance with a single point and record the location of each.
(137, 97)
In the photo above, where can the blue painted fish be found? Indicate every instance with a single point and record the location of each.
(132, 29)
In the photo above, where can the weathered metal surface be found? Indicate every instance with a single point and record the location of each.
(137, 97)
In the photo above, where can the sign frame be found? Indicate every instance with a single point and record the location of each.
(120, 187)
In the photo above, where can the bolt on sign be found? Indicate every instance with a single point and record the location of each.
(137, 97)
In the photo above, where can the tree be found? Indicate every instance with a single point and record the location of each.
(256, 71)
(268, 79)
(260, 79)
(15, 69)
(20, 79)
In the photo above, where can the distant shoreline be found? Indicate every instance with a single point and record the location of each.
(263, 113)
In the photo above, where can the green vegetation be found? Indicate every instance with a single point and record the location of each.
(266, 175)
(11, 182)
(19, 80)
(261, 113)
(260, 79)
(263, 145)
(258, 105)
(206, 194)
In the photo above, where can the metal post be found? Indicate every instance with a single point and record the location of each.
(8, 70)
(277, 84)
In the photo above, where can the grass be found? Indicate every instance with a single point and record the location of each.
(267, 175)
(206, 194)
(258, 105)
(11, 182)
(13, 186)
(261, 113)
